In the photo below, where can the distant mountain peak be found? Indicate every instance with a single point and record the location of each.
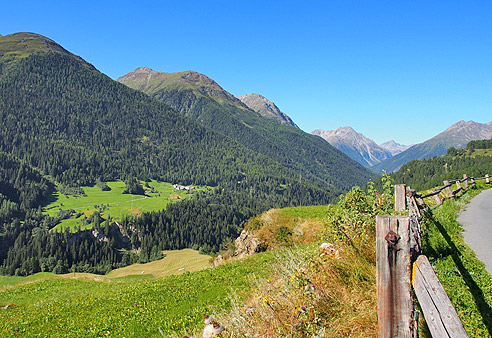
(266, 108)
(393, 147)
(355, 145)
(21, 45)
(151, 81)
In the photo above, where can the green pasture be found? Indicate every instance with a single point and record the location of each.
(112, 203)
(78, 307)
(175, 262)
(482, 152)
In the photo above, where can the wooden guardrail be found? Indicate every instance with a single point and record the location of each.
(404, 271)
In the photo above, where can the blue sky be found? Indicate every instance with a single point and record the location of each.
(403, 70)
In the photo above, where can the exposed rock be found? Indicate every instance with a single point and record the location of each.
(266, 108)
(218, 260)
(247, 245)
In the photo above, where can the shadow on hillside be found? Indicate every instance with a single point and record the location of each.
(477, 293)
(50, 198)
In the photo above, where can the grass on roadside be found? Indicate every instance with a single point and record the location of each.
(462, 274)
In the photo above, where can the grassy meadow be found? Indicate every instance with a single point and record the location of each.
(112, 203)
(122, 307)
(175, 262)
(270, 285)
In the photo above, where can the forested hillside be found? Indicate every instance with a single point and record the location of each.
(75, 126)
(474, 160)
(202, 99)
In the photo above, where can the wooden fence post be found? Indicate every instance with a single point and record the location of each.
(465, 177)
(448, 189)
(393, 262)
(400, 197)
(487, 179)
(439, 313)
(458, 183)
(438, 199)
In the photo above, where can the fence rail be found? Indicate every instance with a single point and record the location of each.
(403, 270)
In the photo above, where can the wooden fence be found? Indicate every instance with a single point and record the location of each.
(404, 271)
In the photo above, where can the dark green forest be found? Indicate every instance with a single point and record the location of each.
(64, 125)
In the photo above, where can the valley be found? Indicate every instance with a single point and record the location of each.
(101, 234)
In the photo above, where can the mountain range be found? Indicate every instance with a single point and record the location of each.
(457, 136)
(393, 147)
(355, 145)
(390, 156)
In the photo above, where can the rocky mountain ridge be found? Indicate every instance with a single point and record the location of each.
(355, 145)
(266, 108)
(150, 81)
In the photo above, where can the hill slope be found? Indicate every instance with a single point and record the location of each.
(202, 99)
(355, 145)
(266, 108)
(457, 136)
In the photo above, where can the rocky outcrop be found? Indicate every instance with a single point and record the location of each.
(247, 245)
(266, 108)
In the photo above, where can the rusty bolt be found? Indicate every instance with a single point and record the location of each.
(392, 238)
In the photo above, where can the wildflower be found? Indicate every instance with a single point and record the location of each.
(308, 288)
(303, 308)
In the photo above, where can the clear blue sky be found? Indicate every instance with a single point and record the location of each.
(403, 70)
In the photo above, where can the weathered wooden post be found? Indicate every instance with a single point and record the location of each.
(465, 178)
(458, 183)
(400, 197)
(448, 189)
(413, 199)
(487, 179)
(395, 303)
(438, 199)
(439, 313)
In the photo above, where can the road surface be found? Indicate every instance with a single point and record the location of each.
(476, 220)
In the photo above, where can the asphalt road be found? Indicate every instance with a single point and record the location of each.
(476, 220)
